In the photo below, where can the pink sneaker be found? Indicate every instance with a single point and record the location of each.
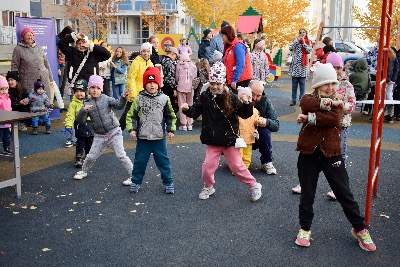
(303, 238)
(364, 240)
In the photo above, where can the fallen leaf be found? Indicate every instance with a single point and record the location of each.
(74, 202)
(69, 230)
(12, 204)
(98, 202)
(33, 207)
(24, 207)
(384, 215)
(63, 195)
(71, 210)
(15, 212)
(45, 249)
(133, 211)
(87, 220)
(70, 194)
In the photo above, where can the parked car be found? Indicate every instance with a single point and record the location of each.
(348, 50)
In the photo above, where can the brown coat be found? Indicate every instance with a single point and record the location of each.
(32, 64)
(326, 132)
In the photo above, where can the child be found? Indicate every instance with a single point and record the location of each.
(150, 117)
(5, 104)
(135, 77)
(220, 130)
(203, 75)
(154, 57)
(39, 103)
(360, 79)
(248, 130)
(217, 57)
(119, 66)
(18, 96)
(186, 72)
(83, 131)
(320, 150)
(328, 49)
(259, 62)
(184, 48)
(106, 127)
(169, 70)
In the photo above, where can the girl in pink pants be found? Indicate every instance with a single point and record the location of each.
(220, 129)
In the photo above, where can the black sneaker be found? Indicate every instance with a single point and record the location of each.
(48, 130)
(7, 151)
(292, 103)
(34, 131)
(388, 119)
(78, 162)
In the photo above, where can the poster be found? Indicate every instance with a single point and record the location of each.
(167, 40)
(45, 36)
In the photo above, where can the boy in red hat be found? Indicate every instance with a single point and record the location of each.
(150, 119)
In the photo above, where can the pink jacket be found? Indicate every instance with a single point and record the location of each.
(5, 104)
(184, 49)
(186, 71)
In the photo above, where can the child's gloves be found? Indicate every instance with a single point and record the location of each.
(67, 131)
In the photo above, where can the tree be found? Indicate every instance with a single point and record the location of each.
(92, 16)
(155, 18)
(281, 18)
(371, 16)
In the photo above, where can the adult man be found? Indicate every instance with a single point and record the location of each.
(264, 142)
(217, 43)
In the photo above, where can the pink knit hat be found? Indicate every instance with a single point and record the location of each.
(3, 82)
(335, 59)
(96, 80)
(25, 31)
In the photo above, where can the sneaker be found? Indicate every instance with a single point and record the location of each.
(78, 162)
(48, 130)
(364, 240)
(80, 175)
(169, 189)
(269, 168)
(22, 127)
(297, 189)
(256, 192)
(68, 144)
(7, 151)
(206, 192)
(303, 238)
(190, 127)
(134, 188)
(331, 195)
(292, 103)
(365, 112)
(388, 119)
(34, 131)
(183, 128)
(127, 181)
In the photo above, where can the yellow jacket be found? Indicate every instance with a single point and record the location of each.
(248, 126)
(73, 110)
(135, 76)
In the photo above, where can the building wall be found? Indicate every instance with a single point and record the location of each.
(9, 10)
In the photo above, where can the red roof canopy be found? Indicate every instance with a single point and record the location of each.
(249, 24)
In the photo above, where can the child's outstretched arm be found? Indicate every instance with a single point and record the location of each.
(195, 110)
(170, 119)
(119, 104)
(132, 118)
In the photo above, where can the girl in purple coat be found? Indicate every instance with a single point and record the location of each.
(186, 71)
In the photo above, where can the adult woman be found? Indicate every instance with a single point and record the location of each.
(105, 71)
(31, 62)
(236, 60)
(119, 65)
(298, 69)
(62, 63)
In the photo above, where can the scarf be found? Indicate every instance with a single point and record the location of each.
(304, 57)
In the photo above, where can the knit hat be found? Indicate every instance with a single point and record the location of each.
(335, 59)
(323, 74)
(260, 44)
(329, 48)
(206, 32)
(25, 31)
(146, 46)
(13, 75)
(38, 84)
(217, 55)
(3, 82)
(152, 74)
(82, 85)
(96, 80)
(218, 74)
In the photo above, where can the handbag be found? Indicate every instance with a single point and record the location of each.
(71, 84)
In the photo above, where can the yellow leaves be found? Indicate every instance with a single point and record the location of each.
(69, 230)
(45, 249)
(133, 211)
(15, 212)
(98, 201)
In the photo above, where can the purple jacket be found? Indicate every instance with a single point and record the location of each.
(184, 49)
(186, 71)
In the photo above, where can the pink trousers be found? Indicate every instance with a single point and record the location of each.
(185, 98)
(235, 163)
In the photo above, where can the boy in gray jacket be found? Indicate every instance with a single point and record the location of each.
(150, 118)
(106, 127)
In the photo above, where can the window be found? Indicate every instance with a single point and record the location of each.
(8, 18)
(58, 2)
(59, 25)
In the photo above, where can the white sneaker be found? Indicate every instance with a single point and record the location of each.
(190, 127)
(297, 189)
(127, 181)
(22, 126)
(182, 128)
(80, 175)
(206, 192)
(331, 195)
(269, 168)
(256, 192)
(365, 112)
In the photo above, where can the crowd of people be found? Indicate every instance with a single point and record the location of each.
(225, 89)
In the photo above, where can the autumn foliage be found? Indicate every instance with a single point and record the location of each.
(156, 18)
(92, 17)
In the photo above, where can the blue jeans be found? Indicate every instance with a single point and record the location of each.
(144, 148)
(45, 118)
(301, 81)
(264, 145)
(345, 133)
(5, 135)
(118, 89)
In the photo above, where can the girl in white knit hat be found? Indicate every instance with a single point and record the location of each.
(320, 149)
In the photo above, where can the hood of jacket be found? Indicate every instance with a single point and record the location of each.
(360, 65)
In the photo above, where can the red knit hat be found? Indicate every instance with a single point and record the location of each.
(152, 74)
(25, 31)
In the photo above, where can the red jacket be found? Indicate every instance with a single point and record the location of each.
(230, 63)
